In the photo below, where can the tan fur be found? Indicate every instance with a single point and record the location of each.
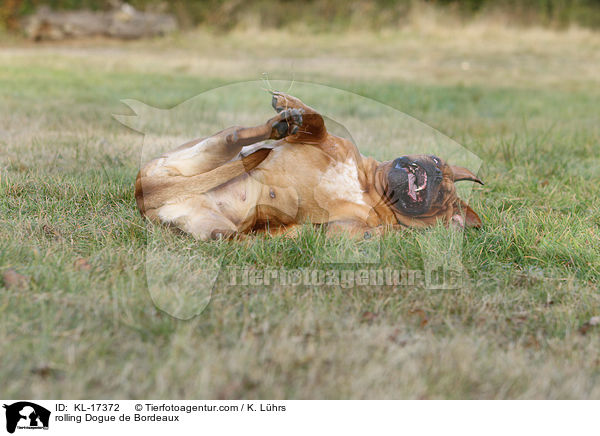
(214, 187)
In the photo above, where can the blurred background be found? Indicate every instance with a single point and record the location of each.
(327, 15)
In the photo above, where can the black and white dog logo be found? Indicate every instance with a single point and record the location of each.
(26, 415)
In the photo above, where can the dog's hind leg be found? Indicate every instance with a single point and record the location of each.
(202, 155)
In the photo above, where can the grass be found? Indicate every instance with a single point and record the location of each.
(526, 105)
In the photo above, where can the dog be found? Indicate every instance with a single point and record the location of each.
(275, 177)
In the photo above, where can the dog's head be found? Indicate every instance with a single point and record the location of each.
(422, 187)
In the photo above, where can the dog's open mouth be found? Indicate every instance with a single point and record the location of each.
(411, 185)
(417, 183)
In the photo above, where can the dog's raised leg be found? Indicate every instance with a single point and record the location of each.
(202, 155)
(313, 130)
(203, 164)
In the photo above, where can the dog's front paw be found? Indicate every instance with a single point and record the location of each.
(286, 123)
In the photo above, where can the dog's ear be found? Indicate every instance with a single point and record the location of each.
(465, 216)
(471, 218)
(461, 173)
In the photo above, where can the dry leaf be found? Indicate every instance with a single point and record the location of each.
(13, 279)
(584, 328)
(594, 321)
(82, 264)
(398, 339)
(45, 371)
(368, 317)
(422, 315)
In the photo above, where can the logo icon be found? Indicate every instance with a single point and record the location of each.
(26, 415)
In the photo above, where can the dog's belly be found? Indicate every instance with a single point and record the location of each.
(295, 184)
(251, 200)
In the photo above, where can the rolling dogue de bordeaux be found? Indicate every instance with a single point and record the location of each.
(290, 171)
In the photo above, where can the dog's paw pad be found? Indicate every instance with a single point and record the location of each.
(275, 104)
(287, 123)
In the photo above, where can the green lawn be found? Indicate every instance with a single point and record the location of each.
(525, 102)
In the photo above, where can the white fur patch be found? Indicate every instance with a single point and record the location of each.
(172, 213)
(180, 162)
(341, 182)
(191, 152)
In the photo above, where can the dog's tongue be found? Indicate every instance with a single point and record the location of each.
(411, 187)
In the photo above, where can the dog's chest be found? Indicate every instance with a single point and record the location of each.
(320, 181)
(340, 181)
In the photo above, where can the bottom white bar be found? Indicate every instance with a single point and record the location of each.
(299, 417)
